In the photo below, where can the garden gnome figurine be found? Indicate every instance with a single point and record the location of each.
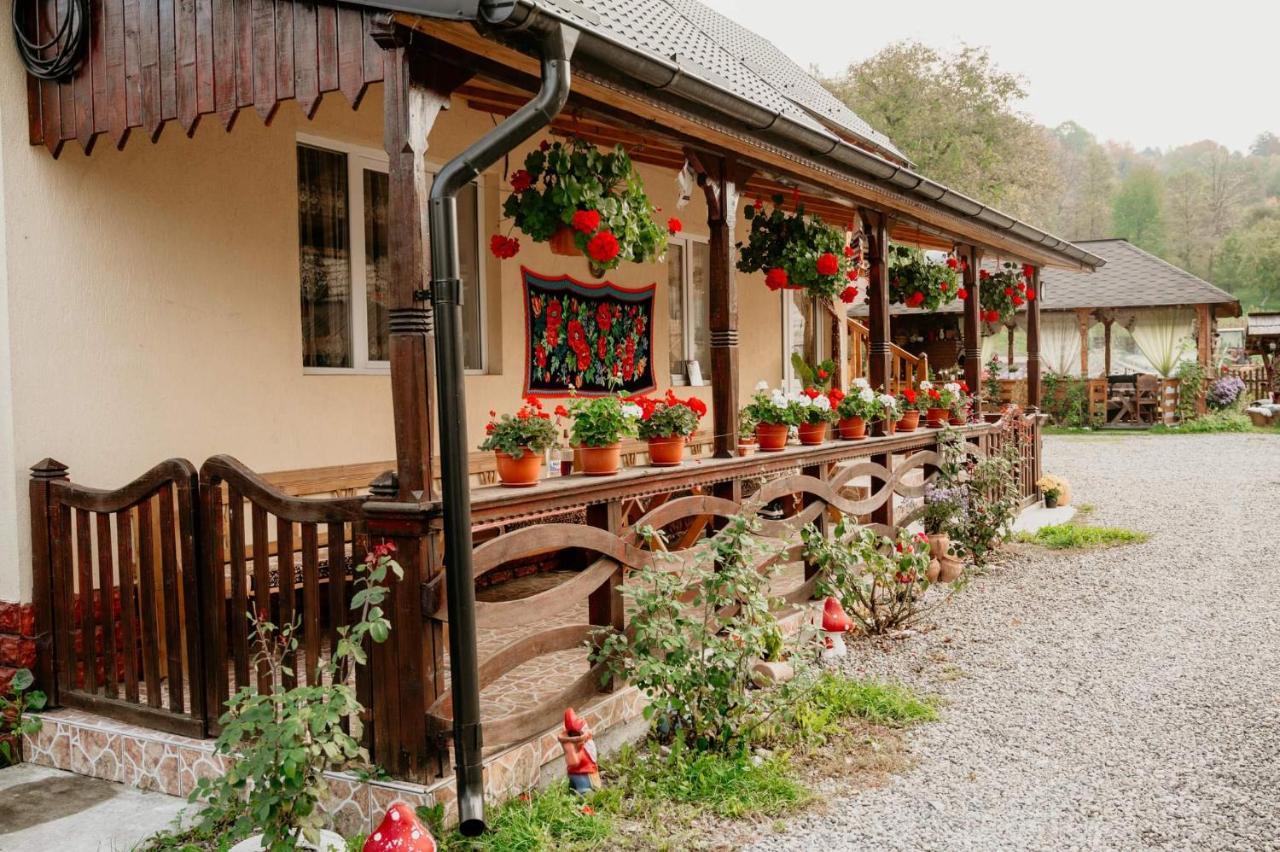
(579, 754)
(400, 831)
(835, 623)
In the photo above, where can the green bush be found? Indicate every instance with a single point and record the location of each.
(1213, 422)
(1066, 400)
(1191, 382)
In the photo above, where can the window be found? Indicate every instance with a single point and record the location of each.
(803, 333)
(689, 306)
(344, 261)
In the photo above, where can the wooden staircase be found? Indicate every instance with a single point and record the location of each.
(905, 370)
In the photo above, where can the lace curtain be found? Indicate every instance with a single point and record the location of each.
(1060, 343)
(1161, 336)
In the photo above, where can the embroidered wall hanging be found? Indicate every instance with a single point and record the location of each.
(580, 335)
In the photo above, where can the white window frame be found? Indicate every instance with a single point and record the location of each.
(359, 159)
(686, 309)
(822, 340)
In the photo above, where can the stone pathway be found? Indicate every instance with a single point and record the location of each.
(1112, 699)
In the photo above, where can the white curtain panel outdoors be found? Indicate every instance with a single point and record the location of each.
(1161, 335)
(1060, 343)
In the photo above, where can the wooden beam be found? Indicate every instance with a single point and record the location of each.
(972, 324)
(876, 227)
(1033, 342)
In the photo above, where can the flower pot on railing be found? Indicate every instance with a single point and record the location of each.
(601, 461)
(520, 472)
(772, 437)
(957, 420)
(936, 418)
(853, 428)
(746, 447)
(812, 434)
(562, 242)
(910, 420)
(667, 451)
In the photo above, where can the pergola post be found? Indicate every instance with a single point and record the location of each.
(1082, 317)
(1033, 342)
(876, 226)
(1106, 342)
(721, 181)
(1204, 341)
(972, 256)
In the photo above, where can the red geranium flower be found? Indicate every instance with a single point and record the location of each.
(952, 263)
(1031, 295)
(962, 293)
(503, 247)
(828, 264)
(699, 407)
(561, 411)
(1018, 301)
(1028, 270)
(776, 278)
(521, 180)
(848, 294)
(910, 395)
(848, 251)
(933, 394)
(915, 300)
(835, 395)
(822, 374)
(852, 275)
(982, 274)
(964, 386)
(586, 221)
(812, 393)
(674, 226)
(1008, 291)
(603, 247)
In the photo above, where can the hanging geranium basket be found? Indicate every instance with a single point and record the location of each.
(798, 252)
(582, 200)
(1004, 291)
(917, 282)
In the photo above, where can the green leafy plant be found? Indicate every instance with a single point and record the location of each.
(991, 387)
(528, 430)
(670, 416)
(818, 375)
(1004, 291)
(282, 742)
(14, 723)
(990, 494)
(1212, 423)
(862, 402)
(1191, 387)
(598, 195)
(798, 252)
(917, 282)
(771, 406)
(696, 627)
(603, 421)
(880, 581)
(1066, 400)
(815, 406)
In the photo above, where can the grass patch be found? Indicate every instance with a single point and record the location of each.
(1078, 536)
(1210, 424)
(556, 818)
(881, 703)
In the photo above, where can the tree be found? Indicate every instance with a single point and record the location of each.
(954, 115)
(1249, 265)
(1266, 145)
(1088, 181)
(1136, 209)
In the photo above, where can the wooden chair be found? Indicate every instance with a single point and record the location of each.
(1147, 398)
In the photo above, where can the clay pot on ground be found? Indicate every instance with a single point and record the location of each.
(853, 428)
(562, 243)
(771, 437)
(601, 461)
(936, 418)
(812, 434)
(949, 566)
(666, 452)
(520, 472)
(910, 420)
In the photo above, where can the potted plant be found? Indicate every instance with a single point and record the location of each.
(815, 413)
(909, 406)
(583, 200)
(941, 506)
(890, 410)
(956, 394)
(667, 424)
(917, 282)
(519, 442)
(1002, 292)
(599, 425)
(1055, 489)
(774, 413)
(937, 409)
(746, 433)
(798, 252)
(857, 409)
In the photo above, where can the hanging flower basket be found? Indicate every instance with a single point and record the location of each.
(917, 282)
(582, 200)
(1001, 293)
(798, 252)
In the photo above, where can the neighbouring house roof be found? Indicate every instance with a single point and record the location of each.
(1131, 278)
(1263, 325)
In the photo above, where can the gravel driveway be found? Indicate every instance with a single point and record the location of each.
(1112, 699)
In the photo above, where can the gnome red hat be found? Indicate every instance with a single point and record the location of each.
(834, 618)
(573, 723)
(400, 831)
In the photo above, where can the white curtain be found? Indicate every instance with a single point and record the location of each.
(1060, 343)
(992, 345)
(1161, 336)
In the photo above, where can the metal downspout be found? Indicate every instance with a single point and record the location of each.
(556, 43)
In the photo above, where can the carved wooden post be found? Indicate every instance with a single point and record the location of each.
(721, 179)
(1082, 317)
(43, 474)
(876, 226)
(1033, 342)
(972, 325)
(1106, 345)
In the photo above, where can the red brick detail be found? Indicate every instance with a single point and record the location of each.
(17, 652)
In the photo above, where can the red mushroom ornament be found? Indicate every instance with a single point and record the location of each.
(835, 623)
(400, 831)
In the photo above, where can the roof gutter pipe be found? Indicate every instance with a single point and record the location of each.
(555, 46)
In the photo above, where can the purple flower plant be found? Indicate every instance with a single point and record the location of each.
(1224, 391)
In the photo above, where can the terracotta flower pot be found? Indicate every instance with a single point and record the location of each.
(601, 461)
(956, 420)
(519, 472)
(910, 420)
(666, 452)
(562, 243)
(812, 434)
(746, 447)
(853, 428)
(772, 437)
(936, 418)
(949, 567)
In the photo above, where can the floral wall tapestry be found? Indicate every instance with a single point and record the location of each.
(591, 338)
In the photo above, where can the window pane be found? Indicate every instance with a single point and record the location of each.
(700, 306)
(324, 258)
(377, 263)
(675, 307)
(469, 261)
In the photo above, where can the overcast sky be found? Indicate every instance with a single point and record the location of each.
(1151, 74)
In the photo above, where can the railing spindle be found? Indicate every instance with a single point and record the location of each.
(128, 601)
(172, 599)
(107, 596)
(87, 601)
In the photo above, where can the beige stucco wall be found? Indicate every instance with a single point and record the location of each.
(150, 306)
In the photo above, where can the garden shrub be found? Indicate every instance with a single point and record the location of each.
(992, 501)
(1224, 392)
(1212, 423)
(1066, 401)
(1191, 382)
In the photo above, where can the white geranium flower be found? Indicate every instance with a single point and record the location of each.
(867, 395)
(951, 387)
(926, 385)
(822, 403)
(779, 399)
(888, 400)
(801, 400)
(861, 382)
(762, 385)
(630, 409)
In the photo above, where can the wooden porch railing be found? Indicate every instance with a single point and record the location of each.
(905, 370)
(193, 555)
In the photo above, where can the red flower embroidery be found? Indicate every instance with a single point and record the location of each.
(828, 264)
(604, 317)
(602, 346)
(586, 221)
(603, 247)
(776, 278)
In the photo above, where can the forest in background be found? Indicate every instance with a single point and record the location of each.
(1209, 210)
